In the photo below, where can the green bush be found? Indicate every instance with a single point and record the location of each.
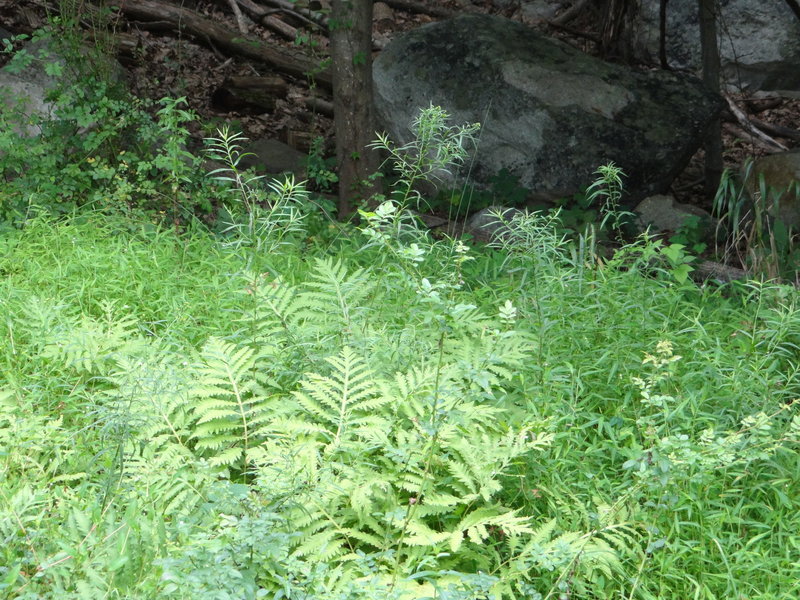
(101, 148)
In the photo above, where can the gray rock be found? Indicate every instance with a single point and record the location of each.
(25, 98)
(662, 213)
(781, 176)
(541, 10)
(550, 114)
(274, 157)
(759, 41)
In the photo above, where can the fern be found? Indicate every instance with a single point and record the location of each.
(334, 300)
(345, 402)
(166, 477)
(149, 398)
(232, 410)
(92, 346)
(276, 311)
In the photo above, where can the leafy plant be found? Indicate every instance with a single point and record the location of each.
(321, 170)
(262, 219)
(112, 154)
(436, 148)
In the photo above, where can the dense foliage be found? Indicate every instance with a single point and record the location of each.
(284, 407)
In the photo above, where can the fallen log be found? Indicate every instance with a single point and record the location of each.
(421, 8)
(306, 15)
(706, 269)
(776, 130)
(264, 16)
(318, 105)
(206, 30)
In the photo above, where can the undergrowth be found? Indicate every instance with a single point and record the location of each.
(372, 413)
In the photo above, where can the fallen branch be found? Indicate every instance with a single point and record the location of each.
(749, 137)
(264, 16)
(757, 105)
(304, 14)
(777, 130)
(208, 31)
(280, 27)
(751, 129)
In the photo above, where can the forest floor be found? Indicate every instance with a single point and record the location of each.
(168, 65)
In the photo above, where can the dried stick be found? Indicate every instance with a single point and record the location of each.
(240, 22)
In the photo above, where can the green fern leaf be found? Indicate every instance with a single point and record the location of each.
(344, 402)
(335, 295)
(232, 413)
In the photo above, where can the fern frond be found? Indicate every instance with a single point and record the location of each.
(411, 393)
(345, 401)
(166, 477)
(487, 360)
(419, 534)
(232, 413)
(335, 295)
(276, 309)
(149, 397)
(93, 346)
(476, 525)
(325, 545)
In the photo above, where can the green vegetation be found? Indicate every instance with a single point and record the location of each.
(278, 406)
(751, 218)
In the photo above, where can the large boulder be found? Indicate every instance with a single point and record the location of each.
(759, 41)
(550, 114)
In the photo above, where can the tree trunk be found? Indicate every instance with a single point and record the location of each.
(615, 17)
(351, 53)
(711, 76)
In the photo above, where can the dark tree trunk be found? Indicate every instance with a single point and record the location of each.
(615, 18)
(351, 53)
(711, 77)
